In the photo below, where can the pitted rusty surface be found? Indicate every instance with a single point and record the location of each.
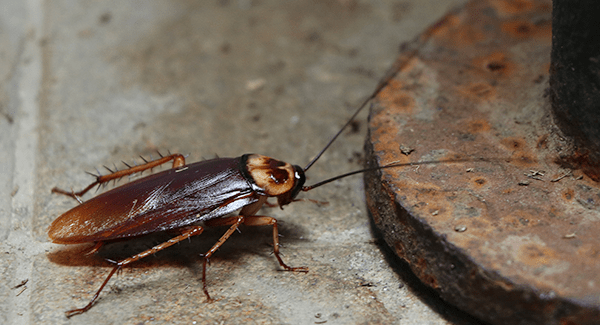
(508, 235)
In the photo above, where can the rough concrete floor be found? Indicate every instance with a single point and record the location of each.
(86, 84)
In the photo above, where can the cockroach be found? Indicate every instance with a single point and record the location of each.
(179, 198)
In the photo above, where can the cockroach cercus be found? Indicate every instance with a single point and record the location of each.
(179, 198)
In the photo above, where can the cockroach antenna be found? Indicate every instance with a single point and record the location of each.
(394, 165)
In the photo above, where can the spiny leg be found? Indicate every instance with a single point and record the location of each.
(270, 221)
(187, 232)
(178, 161)
(234, 222)
(249, 221)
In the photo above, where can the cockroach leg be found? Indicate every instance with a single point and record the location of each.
(235, 222)
(251, 221)
(73, 312)
(96, 248)
(271, 205)
(187, 233)
(178, 161)
(270, 221)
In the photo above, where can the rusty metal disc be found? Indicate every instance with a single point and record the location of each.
(505, 232)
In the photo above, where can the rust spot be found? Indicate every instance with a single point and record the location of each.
(478, 91)
(525, 29)
(399, 248)
(513, 143)
(510, 221)
(524, 222)
(393, 86)
(430, 280)
(497, 63)
(520, 29)
(376, 217)
(460, 36)
(477, 126)
(536, 255)
(496, 66)
(519, 219)
(512, 7)
(429, 194)
(508, 191)
(396, 97)
(442, 28)
(545, 69)
(420, 268)
(521, 156)
(568, 194)
(404, 102)
(479, 181)
(467, 35)
(523, 159)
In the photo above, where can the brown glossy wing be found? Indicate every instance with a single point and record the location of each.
(166, 200)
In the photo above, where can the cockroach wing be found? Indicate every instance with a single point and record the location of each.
(170, 199)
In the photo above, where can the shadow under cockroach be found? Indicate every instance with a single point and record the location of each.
(249, 240)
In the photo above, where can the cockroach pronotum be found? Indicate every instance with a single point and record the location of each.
(179, 198)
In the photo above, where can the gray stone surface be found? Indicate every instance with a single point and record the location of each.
(91, 83)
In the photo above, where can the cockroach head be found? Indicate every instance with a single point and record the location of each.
(275, 177)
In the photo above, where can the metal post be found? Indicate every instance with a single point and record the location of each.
(575, 79)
